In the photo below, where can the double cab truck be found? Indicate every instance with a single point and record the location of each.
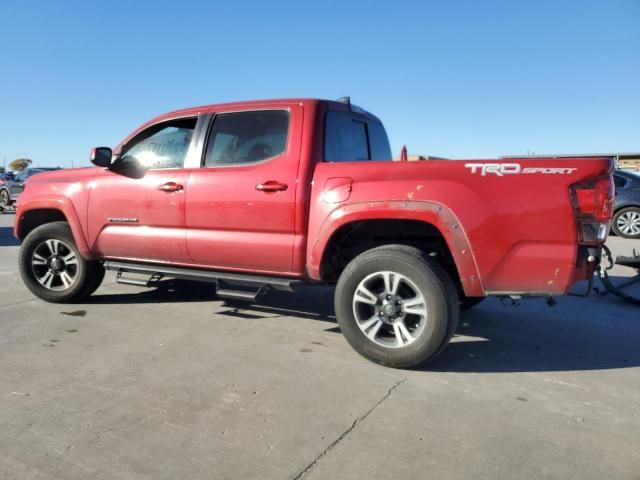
(266, 195)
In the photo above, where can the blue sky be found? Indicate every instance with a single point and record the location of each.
(455, 78)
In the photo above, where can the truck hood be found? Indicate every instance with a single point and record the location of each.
(67, 175)
(72, 183)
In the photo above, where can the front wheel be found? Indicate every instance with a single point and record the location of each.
(626, 222)
(396, 307)
(53, 269)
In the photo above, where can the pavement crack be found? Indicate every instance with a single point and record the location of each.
(344, 434)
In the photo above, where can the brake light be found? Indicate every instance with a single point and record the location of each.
(592, 202)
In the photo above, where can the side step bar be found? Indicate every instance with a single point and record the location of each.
(158, 271)
(138, 282)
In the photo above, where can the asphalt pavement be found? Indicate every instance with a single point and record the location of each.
(172, 383)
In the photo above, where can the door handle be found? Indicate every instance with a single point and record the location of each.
(272, 186)
(170, 187)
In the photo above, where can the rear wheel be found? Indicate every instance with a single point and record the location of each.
(626, 222)
(53, 269)
(396, 306)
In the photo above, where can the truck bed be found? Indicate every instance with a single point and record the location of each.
(515, 214)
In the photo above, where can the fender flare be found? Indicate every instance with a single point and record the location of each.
(64, 206)
(433, 213)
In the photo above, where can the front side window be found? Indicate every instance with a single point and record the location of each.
(161, 146)
(247, 137)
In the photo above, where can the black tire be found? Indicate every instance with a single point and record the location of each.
(5, 198)
(433, 283)
(469, 302)
(619, 216)
(88, 275)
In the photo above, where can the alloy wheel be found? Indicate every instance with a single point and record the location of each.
(54, 265)
(389, 309)
(629, 223)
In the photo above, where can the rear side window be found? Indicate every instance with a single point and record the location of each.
(348, 139)
(345, 139)
(247, 137)
(380, 148)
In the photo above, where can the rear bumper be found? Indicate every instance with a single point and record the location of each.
(588, 259)
(533, 283)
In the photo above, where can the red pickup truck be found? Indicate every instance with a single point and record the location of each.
(267, 194)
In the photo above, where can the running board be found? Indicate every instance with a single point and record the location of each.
(255, 281)
(131, 281)
(138, 282)
(242, 295)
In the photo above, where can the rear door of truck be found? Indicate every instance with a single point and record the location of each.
(241, 202)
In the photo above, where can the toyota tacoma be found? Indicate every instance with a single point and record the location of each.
(262, 195)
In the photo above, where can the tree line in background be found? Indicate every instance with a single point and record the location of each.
(18, 164)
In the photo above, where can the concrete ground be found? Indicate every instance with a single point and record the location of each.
(174, 384)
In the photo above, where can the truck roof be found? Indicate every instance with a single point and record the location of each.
(250, 104)
(338, 105)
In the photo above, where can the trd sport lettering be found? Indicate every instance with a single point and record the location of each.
(502, 169)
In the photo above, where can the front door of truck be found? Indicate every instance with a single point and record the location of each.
(241, 203)
(137, 210)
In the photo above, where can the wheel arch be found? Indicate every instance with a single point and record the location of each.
(40, 212)
(625, 205)
(354, 228)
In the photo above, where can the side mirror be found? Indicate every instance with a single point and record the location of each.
(101, 156)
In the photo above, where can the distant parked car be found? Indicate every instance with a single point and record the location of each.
(4, 176)
(12, 187)
(626, 220)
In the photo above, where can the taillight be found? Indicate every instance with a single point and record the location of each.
(592, 202)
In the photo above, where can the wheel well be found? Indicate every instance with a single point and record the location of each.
(354, 238)
(34, 218)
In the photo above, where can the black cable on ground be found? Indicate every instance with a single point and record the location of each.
(617, 289)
